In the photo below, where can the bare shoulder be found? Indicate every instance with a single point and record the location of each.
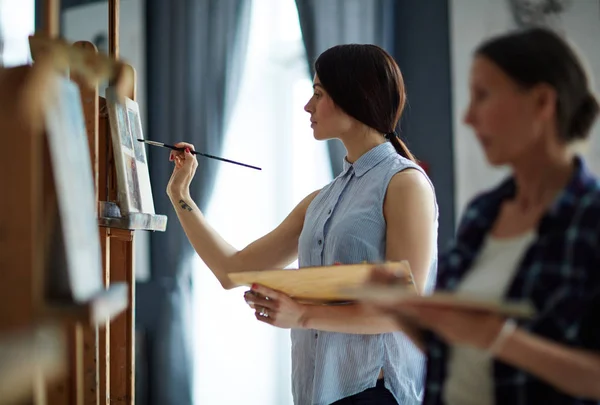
(300, 209)
(410, 186)
(410, 180)
(308, 199)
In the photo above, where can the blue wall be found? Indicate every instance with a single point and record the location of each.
(422, 49)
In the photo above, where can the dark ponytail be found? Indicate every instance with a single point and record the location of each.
(400, 146)
(366, 83)
(584, 117)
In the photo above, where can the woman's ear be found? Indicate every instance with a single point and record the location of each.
(545, 98)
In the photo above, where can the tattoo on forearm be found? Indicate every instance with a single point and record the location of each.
(185, 205)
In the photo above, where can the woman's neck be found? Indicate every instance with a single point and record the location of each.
(360, 141)
(540, 176)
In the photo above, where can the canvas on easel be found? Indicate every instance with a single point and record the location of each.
(77, 249)
(141, 160)
(128, 184)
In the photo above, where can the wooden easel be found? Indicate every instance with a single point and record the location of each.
(100, 360)
(118, 234)
(27, 364)
(43, 343)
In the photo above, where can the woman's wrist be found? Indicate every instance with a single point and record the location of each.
(506, 332)
(178, 194)
(303, 320)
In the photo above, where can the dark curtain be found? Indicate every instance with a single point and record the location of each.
(326, 23)
(195, 53)
(422, 48)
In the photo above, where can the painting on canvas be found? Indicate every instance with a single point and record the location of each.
(128, 184)
(135, 126)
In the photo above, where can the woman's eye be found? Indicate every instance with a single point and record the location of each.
(317, 95)
(480, 95)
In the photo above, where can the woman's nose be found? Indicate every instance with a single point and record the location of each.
(468, 116)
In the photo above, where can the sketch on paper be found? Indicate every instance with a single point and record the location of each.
(133, 178)
(127, 179)
(140, 152)
(123, 125)
(143, 172)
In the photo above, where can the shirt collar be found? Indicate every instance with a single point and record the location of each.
(370, 159)
(580, 183)
(479, 218)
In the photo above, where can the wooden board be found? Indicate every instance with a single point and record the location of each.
(75, 192)
(122, 329)
(37, 350)
(324, 283)
(393, 294)
(90, 65)
(21, 208)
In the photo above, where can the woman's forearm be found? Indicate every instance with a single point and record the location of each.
(218, 255)
(356, 319)
(277, 249)
(574, 371)
(353, 319)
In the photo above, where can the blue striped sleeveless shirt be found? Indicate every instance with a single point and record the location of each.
(345, 223)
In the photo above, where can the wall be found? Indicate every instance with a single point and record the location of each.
(471, 22)
(422, 49)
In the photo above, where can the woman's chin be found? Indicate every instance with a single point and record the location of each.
(495, 160)
(320, 137)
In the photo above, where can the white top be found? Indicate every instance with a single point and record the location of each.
(470, 373)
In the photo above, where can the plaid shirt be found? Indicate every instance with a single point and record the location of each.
(559, 274)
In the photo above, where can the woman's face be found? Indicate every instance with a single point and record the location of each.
(509, 121)
(327, 120)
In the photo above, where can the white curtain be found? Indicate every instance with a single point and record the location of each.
(239, 360)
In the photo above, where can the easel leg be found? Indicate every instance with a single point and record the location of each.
(90, 366)
(77, 359)
(122, 331)
(104, 333)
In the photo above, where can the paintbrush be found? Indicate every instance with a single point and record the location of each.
(164, 145)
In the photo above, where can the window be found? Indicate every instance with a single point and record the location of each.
(238, 359)
(17, 22)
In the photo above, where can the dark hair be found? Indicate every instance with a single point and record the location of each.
(538, 55)
(366, 83)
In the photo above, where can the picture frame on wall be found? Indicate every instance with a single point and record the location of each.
(134, 192)
(75, 261)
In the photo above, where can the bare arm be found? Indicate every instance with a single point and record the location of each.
(574, 371)
(409, 213)
(277, 249)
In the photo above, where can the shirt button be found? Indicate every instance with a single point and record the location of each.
(329, 212)
(320, 242)
(316, 335)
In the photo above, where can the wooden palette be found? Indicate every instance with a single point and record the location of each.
(383, 294)
(323, 284)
